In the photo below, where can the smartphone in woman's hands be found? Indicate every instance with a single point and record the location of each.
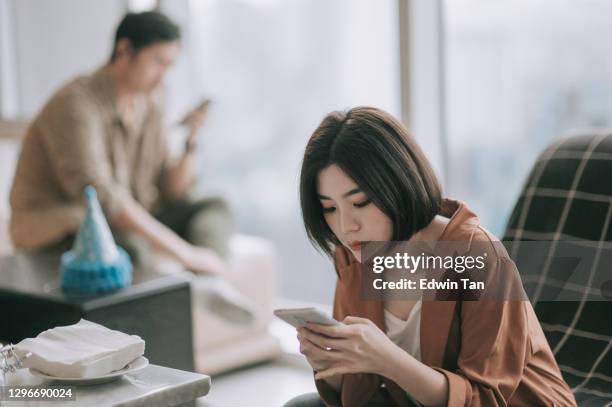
(298, 317)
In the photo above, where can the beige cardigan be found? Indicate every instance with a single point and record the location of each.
(493, 353)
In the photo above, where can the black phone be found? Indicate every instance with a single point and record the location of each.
(204, 104)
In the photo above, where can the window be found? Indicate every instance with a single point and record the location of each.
(273, 69)
(518, 75)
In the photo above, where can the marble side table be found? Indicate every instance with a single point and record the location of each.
(153, 386)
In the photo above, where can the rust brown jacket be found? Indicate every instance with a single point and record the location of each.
(493, 353)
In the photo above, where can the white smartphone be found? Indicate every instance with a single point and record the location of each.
(298, 317)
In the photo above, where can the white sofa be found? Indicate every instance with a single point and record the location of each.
(218, 345)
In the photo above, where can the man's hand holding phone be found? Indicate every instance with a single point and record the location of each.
(193, 121)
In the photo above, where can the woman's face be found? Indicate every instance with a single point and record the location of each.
(349, 212)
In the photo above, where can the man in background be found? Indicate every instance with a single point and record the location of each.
(105, 129)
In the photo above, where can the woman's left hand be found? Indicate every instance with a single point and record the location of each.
(357, 347)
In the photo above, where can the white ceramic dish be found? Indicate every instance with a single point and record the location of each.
(134, 366)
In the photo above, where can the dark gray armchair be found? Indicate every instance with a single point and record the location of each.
(567, 200)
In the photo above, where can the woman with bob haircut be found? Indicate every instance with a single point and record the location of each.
(364, 178)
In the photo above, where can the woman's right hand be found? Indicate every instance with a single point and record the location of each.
(306, 349)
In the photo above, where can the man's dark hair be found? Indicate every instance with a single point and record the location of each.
(384, 160)
(144, 29)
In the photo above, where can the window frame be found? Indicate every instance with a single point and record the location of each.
(422, 79)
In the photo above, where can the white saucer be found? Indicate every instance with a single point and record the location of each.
(135, 365)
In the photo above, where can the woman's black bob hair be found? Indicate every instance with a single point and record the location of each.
(377, 152)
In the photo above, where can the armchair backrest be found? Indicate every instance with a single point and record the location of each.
(567, 199)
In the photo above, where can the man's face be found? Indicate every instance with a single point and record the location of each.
(146, 67)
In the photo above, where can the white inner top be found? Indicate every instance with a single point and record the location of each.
(406, 334)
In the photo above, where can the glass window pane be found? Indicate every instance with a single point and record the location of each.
(273, 69)
(519, 74)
